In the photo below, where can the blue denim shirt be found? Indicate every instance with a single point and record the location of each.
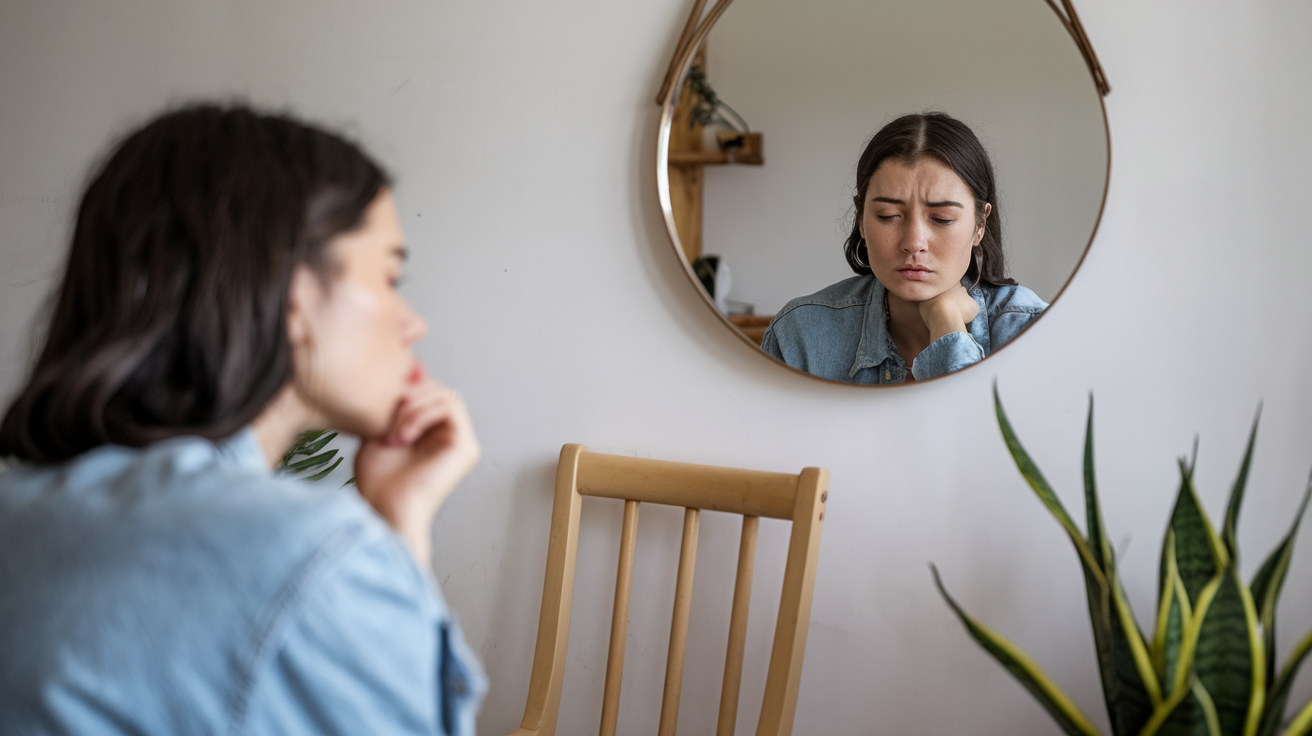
(841, 333)
(181, 589)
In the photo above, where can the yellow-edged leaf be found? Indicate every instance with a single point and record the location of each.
(1034, 477)
(1142, 661)
(1184, 713)
(1279, 693)
(1189, 643)
(1072, 721)
(1172, 615)
(1302, 723)
(1257, 696)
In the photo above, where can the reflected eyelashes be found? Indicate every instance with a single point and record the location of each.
(935, 220)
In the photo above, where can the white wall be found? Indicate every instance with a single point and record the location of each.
(818, 79)
(523, 133)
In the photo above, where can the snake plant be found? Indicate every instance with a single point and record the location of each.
(1209, 667)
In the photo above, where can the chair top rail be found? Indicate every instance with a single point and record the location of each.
(733, 490)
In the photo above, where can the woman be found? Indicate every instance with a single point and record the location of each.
(231, 283)
(931, 295)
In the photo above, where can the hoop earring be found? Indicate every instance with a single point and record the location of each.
(979, 265)
(861, 247)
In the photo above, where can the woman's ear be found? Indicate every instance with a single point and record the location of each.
(303, 295)
(983, 223)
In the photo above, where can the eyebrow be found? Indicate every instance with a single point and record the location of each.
(944, 203)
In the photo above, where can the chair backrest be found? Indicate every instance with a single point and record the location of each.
(753, 493)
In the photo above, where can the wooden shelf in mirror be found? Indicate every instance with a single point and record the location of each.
(687, 156)
(751, 157)
(752, 325)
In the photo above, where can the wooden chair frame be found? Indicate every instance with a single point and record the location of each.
(752, 493)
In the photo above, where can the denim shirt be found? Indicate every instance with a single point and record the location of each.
(181, 589)
(841, 333)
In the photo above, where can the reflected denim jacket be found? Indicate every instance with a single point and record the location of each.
(182, 589)
(841, 333)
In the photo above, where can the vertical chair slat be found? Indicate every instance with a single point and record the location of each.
(679, 625)
(742, 600)
(619, 622)
(780, 701)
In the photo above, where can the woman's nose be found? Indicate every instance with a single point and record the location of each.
(413, 326)
(915, 238)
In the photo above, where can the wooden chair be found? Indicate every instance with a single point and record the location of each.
(752, 493)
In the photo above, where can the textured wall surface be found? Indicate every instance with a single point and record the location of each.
(522, 136)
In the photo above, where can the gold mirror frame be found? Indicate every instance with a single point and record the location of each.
(691, 39)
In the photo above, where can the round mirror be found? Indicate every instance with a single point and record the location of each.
(757, 165)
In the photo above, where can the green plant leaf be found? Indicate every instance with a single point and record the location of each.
(1268, 581)
(1278, 695)
(1129, 703)
(1302, 723)
(1172, 613)
(1098, 544)
(317, 441)
(1188, 712)
(1069, 717)
(310, 463)
(1034, 477)
(1123, 711)
(308, 443)
(1237, 494)
(1228, 659)
(1126, 628)
(324, 473)
(1199, 552)
(1189, 641)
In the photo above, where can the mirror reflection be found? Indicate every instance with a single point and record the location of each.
(861, 244)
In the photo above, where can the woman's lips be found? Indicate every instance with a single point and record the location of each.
(915, 273)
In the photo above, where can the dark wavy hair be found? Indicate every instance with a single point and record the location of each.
(171, 315)
(939, 136)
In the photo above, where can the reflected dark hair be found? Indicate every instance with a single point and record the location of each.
(944, 138)
(171, 316)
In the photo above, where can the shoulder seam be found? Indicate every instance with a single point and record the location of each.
(816, 304)
(329, 554)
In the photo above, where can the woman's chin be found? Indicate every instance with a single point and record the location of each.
(364, 424)
(915, 293)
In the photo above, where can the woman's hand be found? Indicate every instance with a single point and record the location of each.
(949, 312)
(407, 473)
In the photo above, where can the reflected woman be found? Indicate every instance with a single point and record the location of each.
(931, 295)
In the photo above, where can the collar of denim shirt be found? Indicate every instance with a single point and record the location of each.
(877, 346)
(243, 450)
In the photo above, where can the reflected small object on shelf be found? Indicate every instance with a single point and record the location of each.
(742, 147)
(736, 308)
(714, 274)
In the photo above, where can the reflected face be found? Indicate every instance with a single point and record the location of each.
(919, 224)
(353, 334)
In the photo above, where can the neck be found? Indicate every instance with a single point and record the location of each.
(906, 326)
(282, 420)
